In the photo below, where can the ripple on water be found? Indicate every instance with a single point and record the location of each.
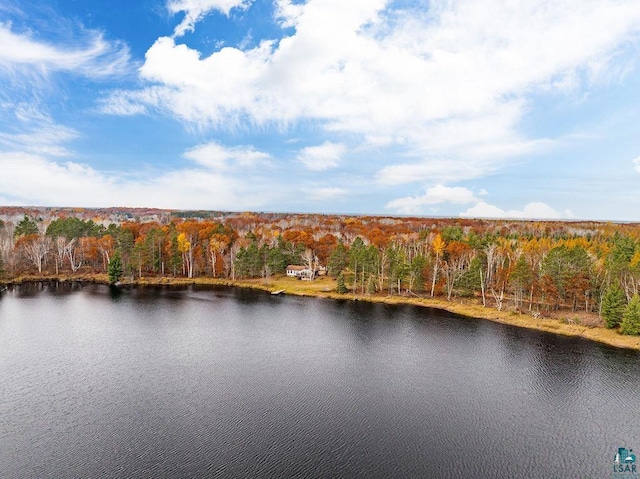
(191, 382)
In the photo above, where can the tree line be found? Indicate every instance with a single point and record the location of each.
(532, 267)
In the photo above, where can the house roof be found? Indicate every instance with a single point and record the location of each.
(295, 267)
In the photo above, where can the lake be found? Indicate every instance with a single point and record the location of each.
(225, 382)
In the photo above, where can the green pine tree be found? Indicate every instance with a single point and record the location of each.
(371, 285)
(25, 227)
(338, 260)
(631, 317)
(341, 286)
(114, 268)
(614, 303)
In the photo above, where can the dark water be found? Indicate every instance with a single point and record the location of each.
(231, 383)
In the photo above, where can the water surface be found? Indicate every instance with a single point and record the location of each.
(160, 382)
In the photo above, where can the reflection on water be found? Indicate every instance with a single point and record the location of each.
(115, 292)
(224, 382)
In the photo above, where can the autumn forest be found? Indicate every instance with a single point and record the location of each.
(531, 267)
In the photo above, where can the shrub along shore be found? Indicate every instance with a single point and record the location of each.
(325, 287)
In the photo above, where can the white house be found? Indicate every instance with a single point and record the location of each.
(300, 272)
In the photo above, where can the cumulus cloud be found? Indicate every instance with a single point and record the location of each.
(456, 195)
(450, 83)
(636, 164)
(533, 210)
(195, 10)
(195, 91)
(288, 13)
(434, 195)
(213, 155)
(322, 157)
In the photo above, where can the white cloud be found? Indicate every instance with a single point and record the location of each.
(215, 156)
(118, 104)
(435, 170)
(533, 210)
(39, 136)
(27, 63)
(322, 157)
(195, 90)
(36, 169)
(453, 81)
(439, 194)
(636, 164)
(195, 10)
(91, 56)
(434, 195)
(328, 193)
(128, 103)
(288, 12)
(34, 179)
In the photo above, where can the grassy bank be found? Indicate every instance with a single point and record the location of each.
(325, 287)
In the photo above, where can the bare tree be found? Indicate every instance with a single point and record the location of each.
(36, 247)
(310, 261)
(73, 252)
(7, 250)
(61, 244)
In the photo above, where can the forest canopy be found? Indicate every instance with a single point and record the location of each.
(528, 266)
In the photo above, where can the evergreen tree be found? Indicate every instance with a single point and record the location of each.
(631, 317)
(249, 261)
(174, 257)
(469, 282)
(452, 233)
(74, 228)
(618, 259)
(25, 227)
(114, 269)
(357, 254)
(126, 243)
(520, 279)
(341, 286)
(276, 259)
(338, 259)
(371, 285)
(416, 273)
(564, 264)
(613, 306)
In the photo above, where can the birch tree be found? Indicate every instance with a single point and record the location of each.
(36, 247)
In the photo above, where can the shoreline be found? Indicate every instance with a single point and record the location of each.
(324, 287)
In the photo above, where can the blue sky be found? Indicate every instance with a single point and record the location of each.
(485, 108)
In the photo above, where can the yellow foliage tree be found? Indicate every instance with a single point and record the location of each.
(437, 245)
(184, 245)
